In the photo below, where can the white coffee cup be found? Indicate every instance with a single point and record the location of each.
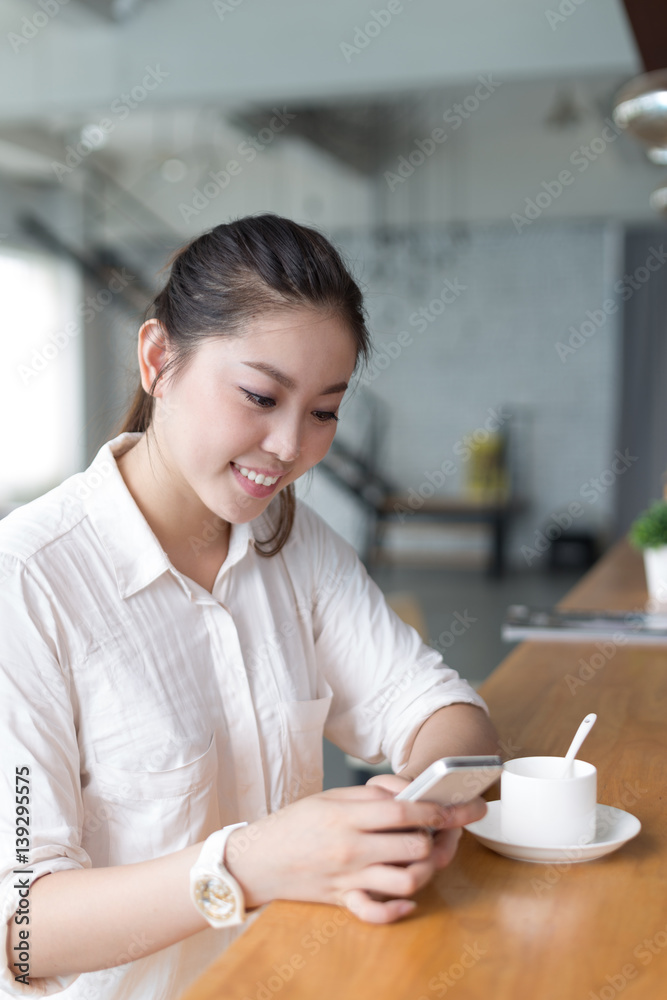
(540, 808)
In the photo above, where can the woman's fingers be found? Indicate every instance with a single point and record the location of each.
(445, 844)
(392, 881)
(375, 807)
(399, 833)
(437, 844)
(398, 847)
(356, 792)
(469, 812)
(374, 912)
(385, 812)
(367, 798)
(394, 783)
(409, 848)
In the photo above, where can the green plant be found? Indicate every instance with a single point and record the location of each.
(649, 531)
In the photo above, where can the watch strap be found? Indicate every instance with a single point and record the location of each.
(213, 889)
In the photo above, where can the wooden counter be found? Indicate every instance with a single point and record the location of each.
(488, 928)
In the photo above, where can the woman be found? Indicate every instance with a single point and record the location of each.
(176, 634)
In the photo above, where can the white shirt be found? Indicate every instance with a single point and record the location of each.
(152, 712)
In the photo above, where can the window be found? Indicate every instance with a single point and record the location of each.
(41, 384)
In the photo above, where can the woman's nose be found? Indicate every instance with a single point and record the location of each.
(284, 440)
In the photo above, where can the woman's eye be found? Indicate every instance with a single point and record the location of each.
(264, 401)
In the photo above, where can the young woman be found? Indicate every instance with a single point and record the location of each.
(176, 635)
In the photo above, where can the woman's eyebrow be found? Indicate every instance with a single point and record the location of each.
(288, 382)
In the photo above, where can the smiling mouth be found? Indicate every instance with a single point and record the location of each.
(256, 477)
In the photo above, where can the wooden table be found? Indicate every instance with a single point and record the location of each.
(488, 927)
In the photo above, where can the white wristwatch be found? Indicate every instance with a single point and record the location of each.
(214, 891)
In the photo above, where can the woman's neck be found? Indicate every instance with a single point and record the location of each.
(195, 540)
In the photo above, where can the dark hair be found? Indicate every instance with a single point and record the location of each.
(238, 270)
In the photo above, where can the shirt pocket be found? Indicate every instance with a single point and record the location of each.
(303, 733)
(132, 816)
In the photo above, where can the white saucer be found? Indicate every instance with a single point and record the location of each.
(614, 827)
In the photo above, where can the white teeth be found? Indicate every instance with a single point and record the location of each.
(257, 477)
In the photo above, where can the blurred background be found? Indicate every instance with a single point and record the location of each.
(464, 156)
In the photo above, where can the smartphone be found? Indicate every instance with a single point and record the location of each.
(451, 781)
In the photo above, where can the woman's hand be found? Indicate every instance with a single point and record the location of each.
(357, 847)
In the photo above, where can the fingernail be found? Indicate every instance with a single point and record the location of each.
(407, 907)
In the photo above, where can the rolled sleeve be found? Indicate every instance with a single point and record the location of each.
(9, 902)
(386, 682)
(38, 733)
(432, 686)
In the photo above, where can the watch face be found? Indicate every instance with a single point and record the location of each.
(216, 898)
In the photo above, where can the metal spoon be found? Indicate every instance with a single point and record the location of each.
(579, 737)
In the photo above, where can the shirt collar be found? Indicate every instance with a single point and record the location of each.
(135, 552)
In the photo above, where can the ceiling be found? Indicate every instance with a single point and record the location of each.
(215, 64)
(184, 81)
(265, 51)
(360, 81)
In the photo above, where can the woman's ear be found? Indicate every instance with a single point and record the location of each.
(153, 349)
